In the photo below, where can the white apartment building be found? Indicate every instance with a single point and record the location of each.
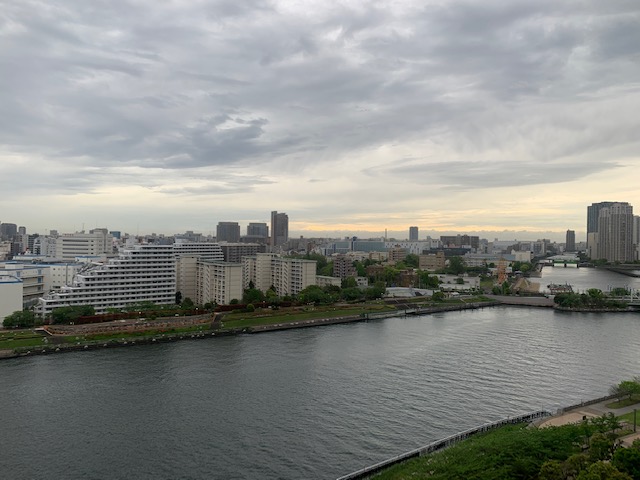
(187, 255)
(10, 295)
(96, 242)
(202, 249)
(218, 282)
(288, 276)
(141, 273)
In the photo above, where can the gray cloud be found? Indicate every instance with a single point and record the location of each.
(91, 87)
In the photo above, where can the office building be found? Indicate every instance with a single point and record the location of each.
(413, 234)
(8, 231)
(279, 229)
(96, 243)
(228, 232)
(258, 230)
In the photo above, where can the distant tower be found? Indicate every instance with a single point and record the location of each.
(413, 234)
(570, 243)
(279, 228)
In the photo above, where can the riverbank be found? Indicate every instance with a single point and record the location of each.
(398, 466)
(205, 329)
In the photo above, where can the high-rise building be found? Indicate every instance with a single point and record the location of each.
(279, 228)
(636, 235)
(615, 233)
(8, 231)
(413, 234)
(228, 232)
(570, 242)
(593, 212)
(257, 230)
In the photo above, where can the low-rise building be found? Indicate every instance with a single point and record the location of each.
(324, 281)
(432, 262)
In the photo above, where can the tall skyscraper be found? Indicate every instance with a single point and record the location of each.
(413, 234)
(615, 233)
(593, 212)
(279, 228)
(570, 243)
(228, 232)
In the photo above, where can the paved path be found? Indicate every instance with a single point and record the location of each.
(526, 301)
(596, 410)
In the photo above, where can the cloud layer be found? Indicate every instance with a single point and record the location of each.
(447, 114)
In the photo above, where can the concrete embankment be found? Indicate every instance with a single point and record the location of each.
(142, 340)
(401, 312)
(524, 301)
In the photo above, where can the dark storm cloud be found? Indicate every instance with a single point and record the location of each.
(187, 85)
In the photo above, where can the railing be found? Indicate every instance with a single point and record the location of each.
(442, 444)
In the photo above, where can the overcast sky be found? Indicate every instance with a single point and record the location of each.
(467, 116)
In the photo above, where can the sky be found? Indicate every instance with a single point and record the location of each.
(505, 117)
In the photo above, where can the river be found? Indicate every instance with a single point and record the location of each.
(300, 404)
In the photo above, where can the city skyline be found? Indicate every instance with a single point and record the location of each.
(506, 118)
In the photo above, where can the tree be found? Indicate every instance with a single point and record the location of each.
(456, 265)
(627, 460)
(71, 314)
(551, 470)
(438, 296)
(351, 294)
(20, 319)
(602, 471)
(187, 304)
(600, 447)
(412, 260)
(626, 388)
(178, 298)
(349, 282)
(252, 295)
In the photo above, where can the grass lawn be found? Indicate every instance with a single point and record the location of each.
(10, 339)
(628, 417)
(625, 402)
(244, 320)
